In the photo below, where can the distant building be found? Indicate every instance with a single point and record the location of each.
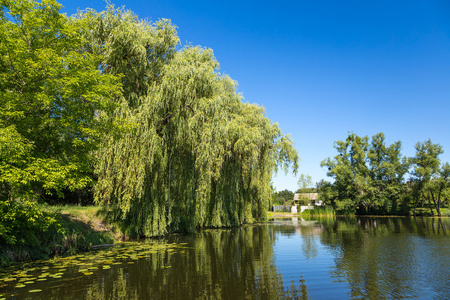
(311, 198)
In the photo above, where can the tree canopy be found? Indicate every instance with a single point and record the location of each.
(53, 99)
(195, 154)
(108, 99)
(431, 178)
(370, 178)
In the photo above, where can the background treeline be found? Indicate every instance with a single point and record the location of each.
(371, 177)
(106, 108)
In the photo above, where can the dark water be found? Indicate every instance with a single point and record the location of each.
(330, 258)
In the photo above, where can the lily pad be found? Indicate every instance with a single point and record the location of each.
(35, 291)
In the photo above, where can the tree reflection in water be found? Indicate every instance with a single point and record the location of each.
(232, 263)
(326, 258)
(390, 257)
(221, 264)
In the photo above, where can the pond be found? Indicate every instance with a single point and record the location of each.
(326, 258)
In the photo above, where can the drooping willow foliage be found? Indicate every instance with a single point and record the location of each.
(192, 153)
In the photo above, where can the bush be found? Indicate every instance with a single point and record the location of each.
(26, 231)
(29, 232)
(22, 223)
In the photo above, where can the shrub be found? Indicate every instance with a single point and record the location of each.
(26, 231)
(22, 223)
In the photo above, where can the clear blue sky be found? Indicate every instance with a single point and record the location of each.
(323, 68)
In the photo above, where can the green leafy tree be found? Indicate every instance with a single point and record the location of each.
(439, 188)
(430, 178)
(53, 101)
(327, 192)
(387, 171)
(305, 183)
(285, 196)
(368, 177)
(350, 173)
(194, 154)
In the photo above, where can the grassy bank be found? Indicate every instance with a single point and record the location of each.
(329, 211)
(319, 211)
(73, 229)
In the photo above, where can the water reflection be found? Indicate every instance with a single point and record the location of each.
(213, 264)
(390, 257)
(368, 258)
(327, 258)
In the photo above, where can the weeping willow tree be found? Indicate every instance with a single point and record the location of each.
(193, 154)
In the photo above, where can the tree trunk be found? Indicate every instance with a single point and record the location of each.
(415, 204)
(436, 205)
(429, 205)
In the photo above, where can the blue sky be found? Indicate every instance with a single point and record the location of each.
(324, 68)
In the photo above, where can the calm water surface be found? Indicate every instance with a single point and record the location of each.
(327, 258)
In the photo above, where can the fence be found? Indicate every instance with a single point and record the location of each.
(286, 208)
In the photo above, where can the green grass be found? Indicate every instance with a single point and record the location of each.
(319, 211)
(86, 221)
(426, 211)
(445, 212)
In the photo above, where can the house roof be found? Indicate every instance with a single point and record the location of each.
(309, 196)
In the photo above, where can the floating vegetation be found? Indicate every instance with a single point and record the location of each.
(65, 269)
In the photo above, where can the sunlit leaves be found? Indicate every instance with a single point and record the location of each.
(430, 176)
(198, 156)
(368, 176)
(19, 222)
(53, 100)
